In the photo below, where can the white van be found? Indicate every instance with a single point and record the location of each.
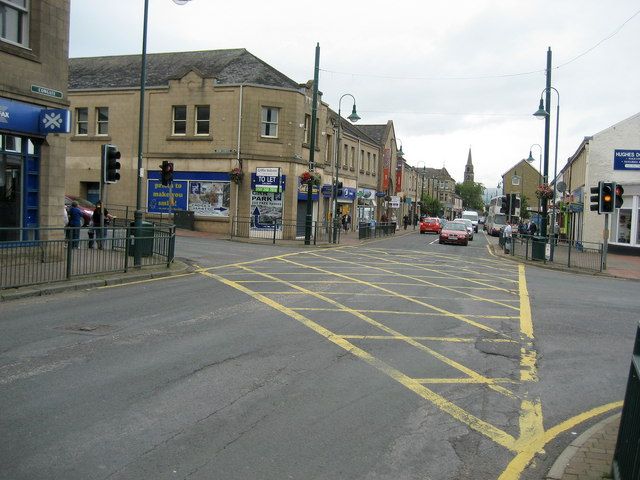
(473, 216)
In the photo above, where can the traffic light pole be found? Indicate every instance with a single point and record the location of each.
(605, 241)
(308, 224)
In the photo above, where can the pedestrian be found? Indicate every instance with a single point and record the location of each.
(405, 221)
(100, 221)
(533, 228)
(383, 218)
(75, 222)
(348, 220)
(507, 237)
(556, 233)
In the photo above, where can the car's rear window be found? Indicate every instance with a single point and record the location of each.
(456, 226)
(431, 220)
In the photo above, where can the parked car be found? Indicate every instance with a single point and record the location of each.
(454, 232)
(468, 224)
(430, 224)
(83, 204)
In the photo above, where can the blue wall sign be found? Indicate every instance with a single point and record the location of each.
(348, 193)
(626, 160)
(303, 190)
(20, 117)
(158, 196)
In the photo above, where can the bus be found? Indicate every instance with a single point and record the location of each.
(495, 221)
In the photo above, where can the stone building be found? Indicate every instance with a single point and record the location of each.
(34, 48)
(468, 169)
(208, 113)
(612, 155)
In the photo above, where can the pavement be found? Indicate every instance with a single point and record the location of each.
(588, 457)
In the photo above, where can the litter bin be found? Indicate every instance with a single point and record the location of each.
(145, 242)
(184, 219)
(538, 247)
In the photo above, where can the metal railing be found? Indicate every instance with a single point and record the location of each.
(281, 230)
(43, 255)
(582, 255)
(376, 229)
(626, 457)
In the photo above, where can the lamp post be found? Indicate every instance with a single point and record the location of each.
(353, 118)
(544, 113)
(137, 216)
(421, 188)
(530, 159)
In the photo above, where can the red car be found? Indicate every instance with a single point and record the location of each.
(430, 224)
(454, 232)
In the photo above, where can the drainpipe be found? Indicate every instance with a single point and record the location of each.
(239, 160)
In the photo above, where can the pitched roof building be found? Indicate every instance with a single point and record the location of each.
(468, 169)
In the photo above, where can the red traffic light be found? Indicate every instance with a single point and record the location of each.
(619, 193)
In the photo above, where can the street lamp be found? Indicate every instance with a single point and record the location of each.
(353, 118)
(424, 167)
(137, 251)
(530, 159)
(544, 113)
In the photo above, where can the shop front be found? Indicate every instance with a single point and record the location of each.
(625, 222)
(23, 129)
(366, 205)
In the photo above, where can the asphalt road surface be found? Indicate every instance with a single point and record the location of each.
(397, 359)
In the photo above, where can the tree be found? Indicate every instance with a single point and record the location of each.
(524, 208)
(430, 206)
(471, 193)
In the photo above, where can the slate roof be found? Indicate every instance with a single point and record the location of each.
(376, 132)
(123, 71)
(348, 127)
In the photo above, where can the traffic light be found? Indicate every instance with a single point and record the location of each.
(340, 190)
(504, 208)
(607, 200)
(596, 192)
(110, 164)
(166, 173)
(619, 192)
(514, 203)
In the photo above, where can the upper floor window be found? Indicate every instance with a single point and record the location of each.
(328, 151)
(203, 113)
(375, 163)
(362, 160)
(270, 122)
(368, 161)
(14, 21)
(179, 120)
(307, 129)
(82, 121)
(345, 157)
(102, 121)
(353, 158)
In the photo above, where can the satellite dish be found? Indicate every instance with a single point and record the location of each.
(561, 187)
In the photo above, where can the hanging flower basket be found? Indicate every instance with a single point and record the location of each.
(312, 178)
(544, 192)
(236, 175)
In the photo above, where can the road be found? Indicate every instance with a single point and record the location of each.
(395, 359)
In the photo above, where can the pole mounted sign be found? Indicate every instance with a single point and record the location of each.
(267, 180)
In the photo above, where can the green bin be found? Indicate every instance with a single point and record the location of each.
(145, 242)
(538, 248)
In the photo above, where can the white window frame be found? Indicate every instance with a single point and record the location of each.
(269, 124)
(200, 121)
(100, 123)
(84, 122)
(22, 24)
(307, 129)
(175, 121)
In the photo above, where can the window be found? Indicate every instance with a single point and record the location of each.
(368, 161)
(14, 21)
(353, 158)
(202, 119)
(375, 164)
(362, 160)
(328, 160)
(102, 121)
(345, 157)
(270, 122)
(179, 120)
(82, 121)
(307, 129)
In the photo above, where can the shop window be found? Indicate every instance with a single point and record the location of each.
(102, 121)
(624, 225)
(202, 119)
(82, 121)
(14, 21)
(179, 120)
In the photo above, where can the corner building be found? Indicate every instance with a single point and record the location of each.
(34, 48)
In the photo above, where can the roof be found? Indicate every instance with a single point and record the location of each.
(349, 128)
(232, 66)
(376, 132)
(516, 165)
(438, 173)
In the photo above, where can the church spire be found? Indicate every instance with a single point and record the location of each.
(468, 169)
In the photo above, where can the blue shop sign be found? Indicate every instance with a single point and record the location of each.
(348, 193)
(303, 190)
(626, 160)
(30, 119)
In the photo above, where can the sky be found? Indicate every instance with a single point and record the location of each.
(450, 75)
